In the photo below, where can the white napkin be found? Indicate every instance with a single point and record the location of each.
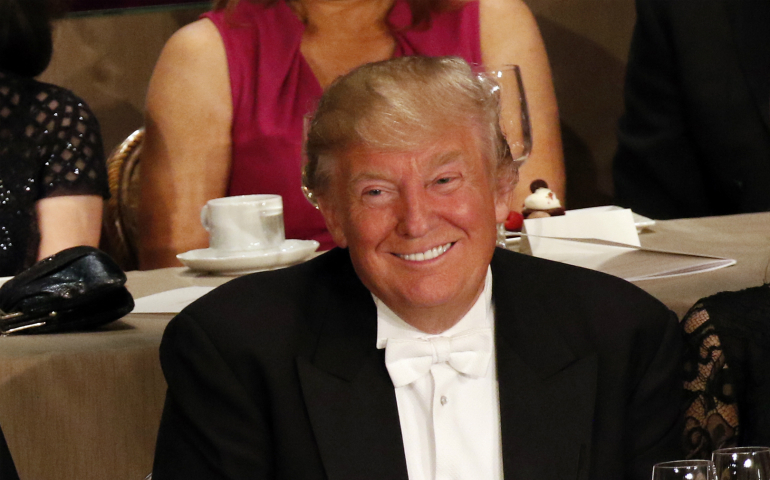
(548, 237)
(607, 241)
(172, 301)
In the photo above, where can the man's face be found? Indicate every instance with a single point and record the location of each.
(420, 226)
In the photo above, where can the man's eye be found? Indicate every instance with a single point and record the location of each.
(373, 192)
(444, 180)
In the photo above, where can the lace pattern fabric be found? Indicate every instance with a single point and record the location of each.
(728, 371)
(711, 414)
(50, 145)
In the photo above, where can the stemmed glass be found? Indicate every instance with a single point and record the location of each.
(514, 119)
(743, 463)
(514, 112)
(684, 470)
(306, 119)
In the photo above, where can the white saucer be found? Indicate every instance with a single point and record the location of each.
(238, 263)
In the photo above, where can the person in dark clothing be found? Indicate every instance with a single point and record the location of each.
(695, 136)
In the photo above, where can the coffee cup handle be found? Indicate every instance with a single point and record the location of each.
(205, 218)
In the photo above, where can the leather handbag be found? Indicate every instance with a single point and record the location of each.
(79, 288)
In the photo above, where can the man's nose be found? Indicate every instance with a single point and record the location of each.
(415, 214)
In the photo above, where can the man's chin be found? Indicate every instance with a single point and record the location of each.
(424, 299)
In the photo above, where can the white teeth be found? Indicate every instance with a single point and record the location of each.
(429, 255)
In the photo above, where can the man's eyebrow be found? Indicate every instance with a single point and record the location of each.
(363, 176)
(436, 161)
(446, 157)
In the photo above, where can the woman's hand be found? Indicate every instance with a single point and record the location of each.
(185, 158)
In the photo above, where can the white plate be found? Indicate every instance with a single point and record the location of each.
(225, 263)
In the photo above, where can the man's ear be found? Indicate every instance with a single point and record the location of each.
(333, 219)
(506, 182)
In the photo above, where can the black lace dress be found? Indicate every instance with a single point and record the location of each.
(50, 145)
(728, 371)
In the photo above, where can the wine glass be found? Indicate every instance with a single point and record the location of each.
(742, 463)
(684, 470)
(514, 113)
(306, 119)
(506, 81)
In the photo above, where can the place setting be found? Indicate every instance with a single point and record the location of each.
(246, 234)
(604, 238)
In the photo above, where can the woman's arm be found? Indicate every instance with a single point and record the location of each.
(509, 35)
(68, 221)
(186, 153)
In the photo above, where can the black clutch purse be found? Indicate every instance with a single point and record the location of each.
(76, 289)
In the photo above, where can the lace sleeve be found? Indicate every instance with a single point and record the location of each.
(69, 145)
(711, 411)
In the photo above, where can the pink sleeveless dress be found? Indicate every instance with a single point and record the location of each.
(273, 87)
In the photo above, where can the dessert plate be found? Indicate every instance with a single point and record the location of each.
(238, 263)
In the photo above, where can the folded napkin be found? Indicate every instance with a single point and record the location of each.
(607, 241)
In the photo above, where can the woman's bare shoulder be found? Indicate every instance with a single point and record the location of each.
(193, 62)
(200, 37)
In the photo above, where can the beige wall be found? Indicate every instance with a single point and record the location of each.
(587, 42)
(108, 61)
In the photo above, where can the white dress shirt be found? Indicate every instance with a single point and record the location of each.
(450, 422)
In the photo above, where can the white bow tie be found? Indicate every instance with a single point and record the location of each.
(410, 358)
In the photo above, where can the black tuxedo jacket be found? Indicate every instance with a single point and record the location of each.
(276, 375)
(7, 468)
(695, 136)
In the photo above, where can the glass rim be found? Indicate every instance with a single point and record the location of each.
(684, 463)
(744, 450)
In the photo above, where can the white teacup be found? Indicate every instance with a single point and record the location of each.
(246, 222)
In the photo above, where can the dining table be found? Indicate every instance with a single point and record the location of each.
(87, 405)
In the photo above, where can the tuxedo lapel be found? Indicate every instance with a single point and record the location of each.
(350, 399)
(547, 393)
(750, 22)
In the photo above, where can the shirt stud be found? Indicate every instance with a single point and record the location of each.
(444, 400)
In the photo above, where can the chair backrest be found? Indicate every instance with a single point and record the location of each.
(119, 226)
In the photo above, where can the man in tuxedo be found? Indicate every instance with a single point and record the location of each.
(417, 349)
(695, 136)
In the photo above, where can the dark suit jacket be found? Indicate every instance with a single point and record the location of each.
(695, 136)
(276, 375)
(7, 468)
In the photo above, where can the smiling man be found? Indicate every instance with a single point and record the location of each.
(418, 350)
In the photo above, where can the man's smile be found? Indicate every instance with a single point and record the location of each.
(427, 255)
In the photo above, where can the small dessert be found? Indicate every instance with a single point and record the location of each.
(542, 202)
(514, 222)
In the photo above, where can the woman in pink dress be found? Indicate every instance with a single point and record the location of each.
(227, 99)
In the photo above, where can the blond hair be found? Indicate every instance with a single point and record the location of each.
(400, 105)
